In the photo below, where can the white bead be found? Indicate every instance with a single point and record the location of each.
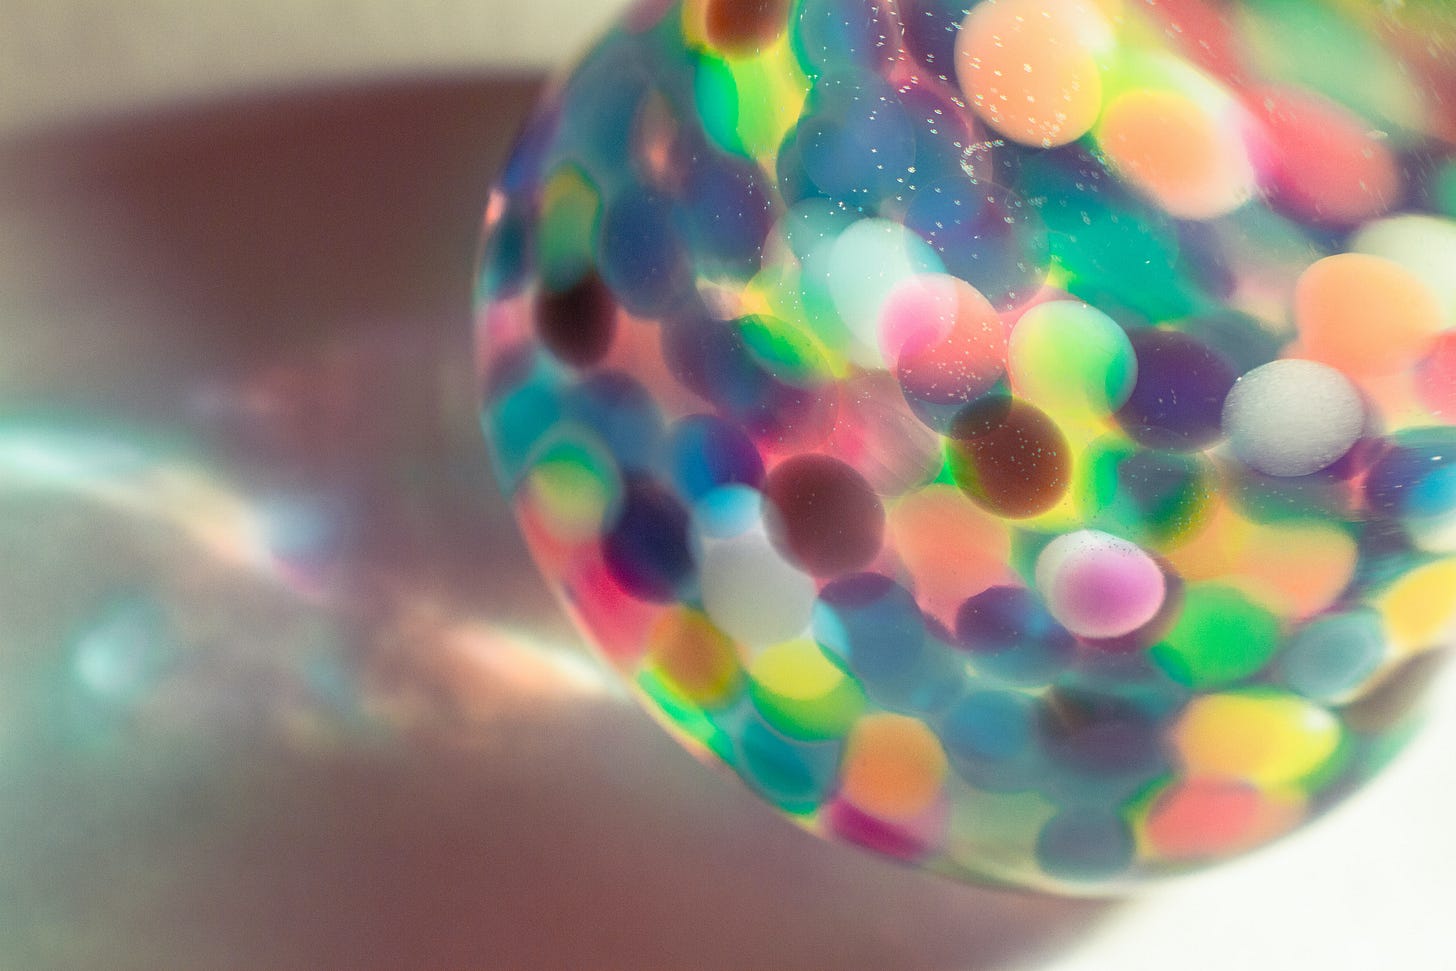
(752, 594)
(1292, 417)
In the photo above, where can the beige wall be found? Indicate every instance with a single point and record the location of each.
(68, 58)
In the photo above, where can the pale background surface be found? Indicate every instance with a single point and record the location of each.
(144, 229)
(62, 58)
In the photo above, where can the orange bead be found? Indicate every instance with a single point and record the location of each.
(1186, 159)
(693, 656)
(1296, 569)
(1208, 818)
(1364, 315)
(1028, 68)
(952, 549)
(893, 767)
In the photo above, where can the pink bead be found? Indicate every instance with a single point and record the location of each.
(1099, 586)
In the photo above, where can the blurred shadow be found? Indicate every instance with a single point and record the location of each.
(278, 288)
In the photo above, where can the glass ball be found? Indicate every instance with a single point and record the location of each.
(1012, 436)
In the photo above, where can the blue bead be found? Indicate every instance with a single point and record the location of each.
(872, 624)
(729, 216)
(857, 140)
(1416, 477)
(991, 739)
(931, 27)
(853, 33)
(1084, 845)
(641, 256)
(1333, 655)
(647, 548)
(987, 236)
(1177, 399)
(989, 725)
(707, 452)
(622, 413)
(516, 424)
(795, 776)
(1010, 635)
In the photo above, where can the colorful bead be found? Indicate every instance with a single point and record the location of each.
(1014, 436)
(1292, 417)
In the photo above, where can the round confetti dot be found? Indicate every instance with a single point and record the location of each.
(1069, 357)
(1333, 655)
(1295, 568)
(694, 657)
(617, 619)
(1177, 400)
(1292, 417)
(856, 139)
(931, 28)
(571, 210)
(1105, 738)
(945, 133)
(1268, 739)
(623, 414)
(731, 217)
(640, 258)
(1085, 844)
(1117, 253)
(518, 422)
(1029, 68)
(1099, 586)
(785, 351)
(1220, 638)
(1011, 635)
(573, 488)
(802, 693)
(907, 839)
(1365, 315)
(893, 768)
(824, 515)
(1015, 465)
(752, 594)
(848, 33)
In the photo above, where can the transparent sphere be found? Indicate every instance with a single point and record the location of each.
(1013, 436)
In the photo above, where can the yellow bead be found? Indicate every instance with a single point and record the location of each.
(1270, 739)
